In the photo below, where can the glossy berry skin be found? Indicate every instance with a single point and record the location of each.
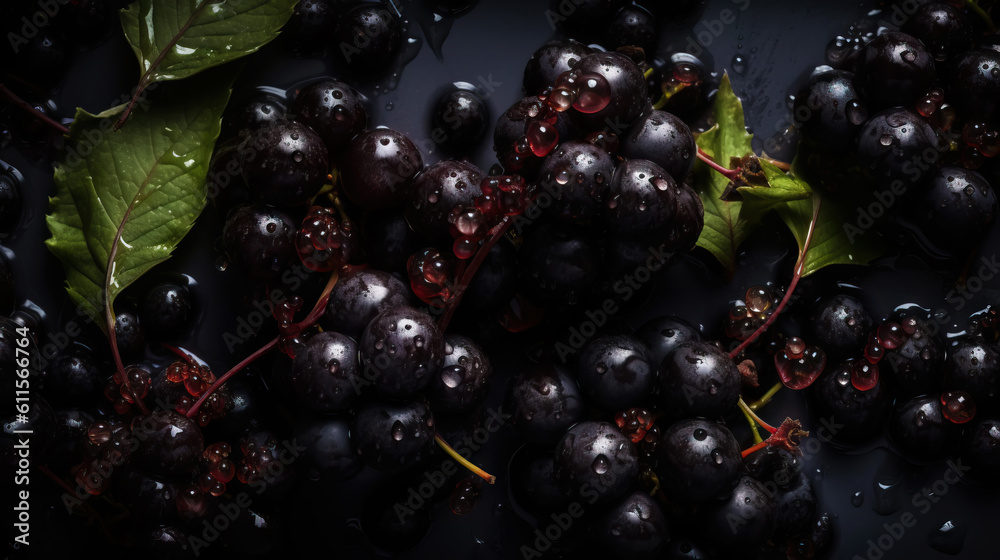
(436, 191)
(393, 435)
(76, 375)
(462, 117)
(463, 380)
(367, 38)
(895, 69)
(259, 240)
(920, 429)
(898, 144)
(551, 60)
(325, 375)
(634, 27)
(916, 367)
(830, 111)
(973, 366)
(284, 164)
(511, 129)
(955, 205)
(615, 372)
(333, 110)
(698, 460)
(544, 402)
(595, 462)
(753, 506)
(944, 29)
(357, 298)
(129, 332)
(642, 200)
(861, 413)
(167, 311)
(698, 379)
(628, 90)
(663, 139)
(635, 527)
(558, 265)
(575, 179)
(401, 349)
(260, 110)
(330, 453)
(170, 444)
(840, 325)
(981, 448)
(775, 467)
(662, 334)
(974, 85)
(377, 169)
(308, 30)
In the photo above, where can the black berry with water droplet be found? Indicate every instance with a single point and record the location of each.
(463, 380)
(401, 350)
(325, 376)
(754, 506)
(615, 372)
(544, 401)
(840, 325)
(550, 61)
(628, 91)
(920, 430)
(698, 460)
(955, 205)
(377, 169)
(595, 458)
(284, 164)
(460, 120)
(260, 110)
(393, 435)
(575, 180)
(437, 191)
(859, 414)
(662, 334)
(642, 200)
(665, 140)
(334, 110)
(943, 28)
(973, 366)
(167, 311)
(895, 69)
(830, 111)
(698, 379)
(896, 143)
(634, 527)
(170, 444)
(259, 240)
(974, 84)
(367, 38)
(359, 296)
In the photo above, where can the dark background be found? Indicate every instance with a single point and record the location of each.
(778, 43)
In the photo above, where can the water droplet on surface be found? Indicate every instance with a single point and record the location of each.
(858, 498)
(949, 538)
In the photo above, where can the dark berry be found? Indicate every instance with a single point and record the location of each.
(325, 375)
(401, 350)
(662, 334)
(77, 375)
(367, 38)
(357, 298)
(460, 120)
(129, 332)
(830, 111)
(896, 144)
(944, 29)
(595, 458)
(663, 139)
(167, 311)
(437, 191)
(955, 206)
(329, 450)
(393, 435)
(796, 506)
(261, 110)
(544, 402)
(920, 429)
(858, 414)
(259, 240)
(746, 519)
(632, 26)
(463, 380)
(551, 60)
(615, 372)
(698, 379)
(10, 198)
(635, 528)
(575, 178)
(334, 110)
(973, 366)
(377, 169)
(284, 164)
(169, 444)
(558, 265)
(307, 32)
(628, 91)
(895, 69)
(840, 325)
(775, 467)
(974, 86)
(642, 200)
(915, 367)
(698, 460)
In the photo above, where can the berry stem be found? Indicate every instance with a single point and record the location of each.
(469, 272)
(757, 446)
(799, 265)
(463, 461)
(730, 174)
(181, 353)
(320, 308)
(24, 105)
(753, 427)
(975, 7)
(225, 377)
(746, 410)
(766, 397)
(782, 165)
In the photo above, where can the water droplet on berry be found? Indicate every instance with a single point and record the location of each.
(958, 406)
(601, 464)
(885, 140)
(700, 434)
(864, 375)
(397, 431)
(542, 138)
(593, 95)
(717, 457)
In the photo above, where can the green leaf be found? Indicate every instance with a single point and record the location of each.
(728, 223)
(174, 39)
(145, 183)
(832, 240)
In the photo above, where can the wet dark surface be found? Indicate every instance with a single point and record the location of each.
(767, 50)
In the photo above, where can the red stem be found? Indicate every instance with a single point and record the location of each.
(24, 105)
(184, 355)
(799, 264)
(730, 174)
(755, 447)
(236, 369)
(466, 277)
